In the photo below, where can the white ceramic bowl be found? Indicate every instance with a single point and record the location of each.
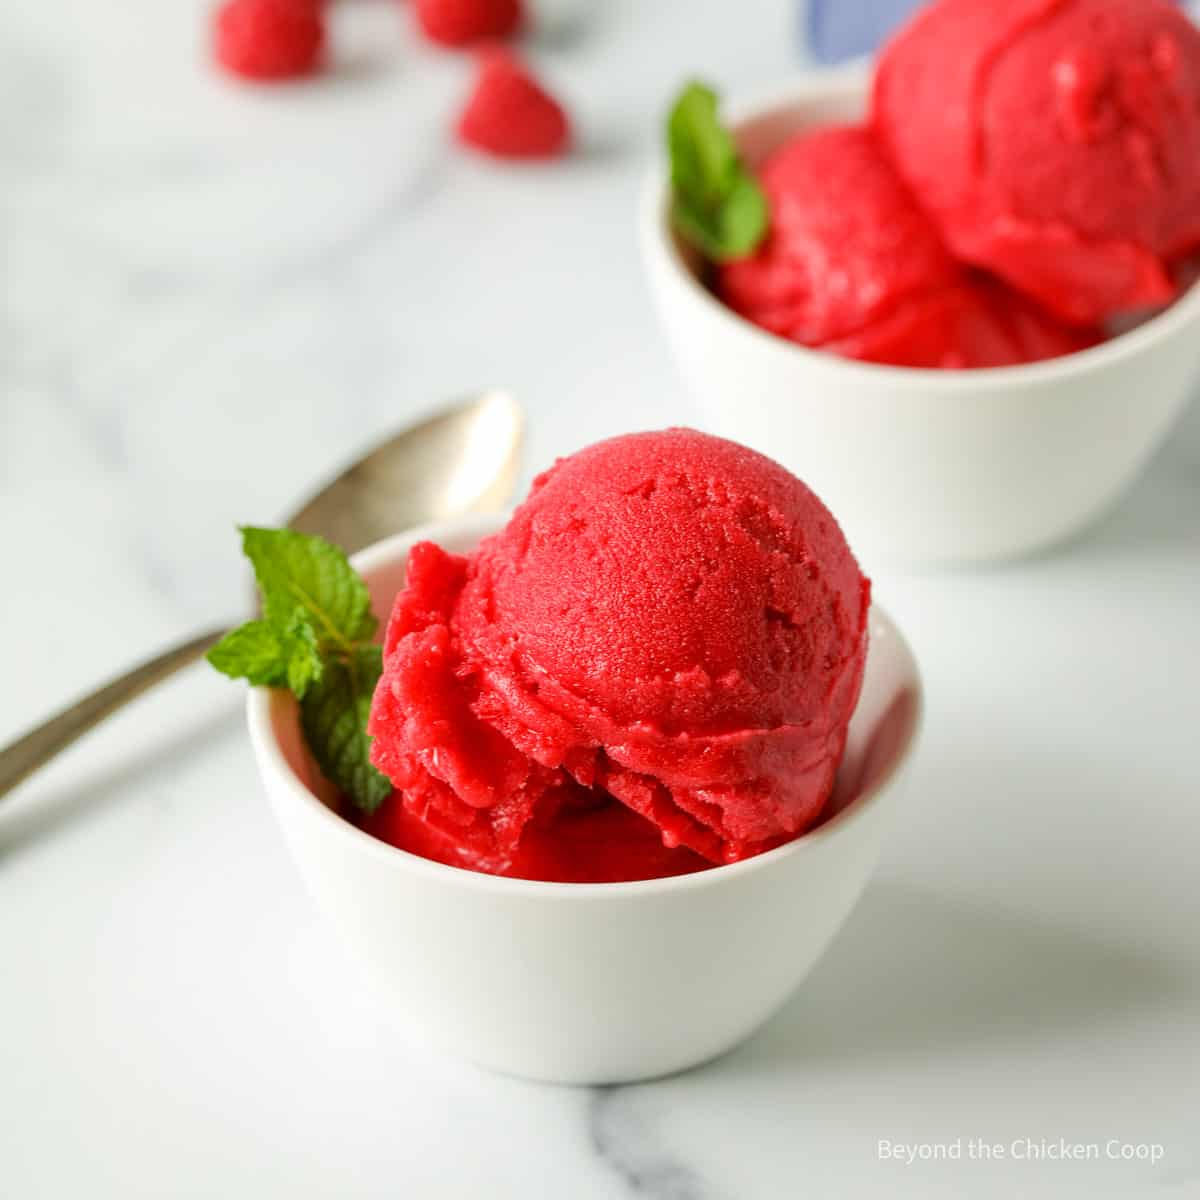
(591, 983)
(920, 466)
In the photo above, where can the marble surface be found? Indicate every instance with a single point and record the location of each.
(210, 296)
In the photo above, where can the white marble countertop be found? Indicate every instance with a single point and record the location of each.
(211, 295)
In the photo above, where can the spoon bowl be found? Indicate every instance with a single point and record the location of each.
(461, 460)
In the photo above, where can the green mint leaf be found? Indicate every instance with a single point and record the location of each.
(315, 640)
(254, 651)
(333, 716)
(304, 665)
(697, 227)
(298, 571)
(744, 217)
(703, 157)
(716, 203)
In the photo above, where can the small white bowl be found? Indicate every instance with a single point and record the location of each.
(590, 983)
(920, 466)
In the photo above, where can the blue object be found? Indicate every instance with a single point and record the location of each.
(841, 29)
(835, 30)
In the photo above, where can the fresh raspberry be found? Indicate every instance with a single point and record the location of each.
(269, 39)
(510, 115)
(461, 22)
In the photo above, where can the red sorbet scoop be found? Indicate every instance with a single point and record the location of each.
(1055, 142)
(853, 266)
(669, 618)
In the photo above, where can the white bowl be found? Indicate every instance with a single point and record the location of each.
(920, 466)
(590, 983)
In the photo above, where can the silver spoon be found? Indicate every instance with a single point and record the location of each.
(462, 460)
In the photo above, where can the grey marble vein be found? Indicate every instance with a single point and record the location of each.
(622, 1139)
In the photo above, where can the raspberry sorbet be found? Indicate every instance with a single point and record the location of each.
(1055, 142)
(852, 265)
(650, 670)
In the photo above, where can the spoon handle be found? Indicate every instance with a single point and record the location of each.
(36, 748)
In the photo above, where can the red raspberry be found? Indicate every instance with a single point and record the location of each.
(269, 39)
(510, 115)
(460, 22)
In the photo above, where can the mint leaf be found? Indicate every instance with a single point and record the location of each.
(703, 157)
(254, 652)
(314, 639)
(257, 653)
(744, 217)
(299, 571)
(716, 203)
(333, 716)
(304, 665)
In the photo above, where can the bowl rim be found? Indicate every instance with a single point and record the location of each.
(658, 241)
(261, 703)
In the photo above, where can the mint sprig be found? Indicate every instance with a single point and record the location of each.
(252, 651)
(716, 203)
(314, 638)
(333, 717)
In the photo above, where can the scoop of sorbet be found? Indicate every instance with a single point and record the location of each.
(853, 266)
(669, 619)
(1055, 142)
